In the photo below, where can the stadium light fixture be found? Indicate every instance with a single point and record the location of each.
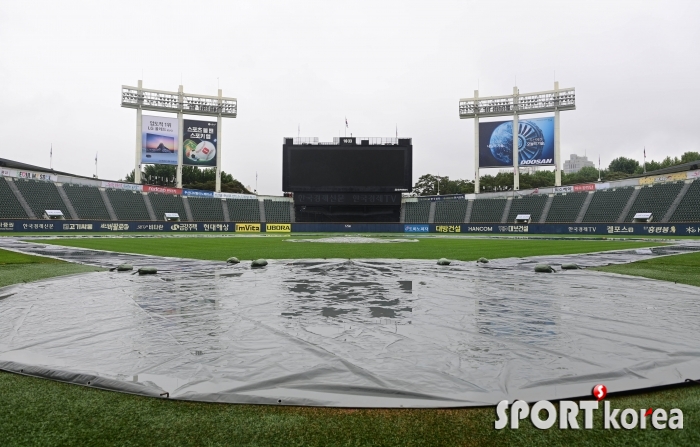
(555, 100)
(180, 103)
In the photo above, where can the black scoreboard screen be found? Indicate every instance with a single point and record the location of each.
(347, 167)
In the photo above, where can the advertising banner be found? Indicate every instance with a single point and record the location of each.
(441, 198)
(584, 187)
(663, 178)
(278, 228)
(233, 195)
(416, 228)
(563, 189)
(248, 228)
(29, 175)
(197, 193)
(678, 229)
(199, 143)
(535, 143)
(162, 189)
(692, 174)
(159, 138)
(126, 186)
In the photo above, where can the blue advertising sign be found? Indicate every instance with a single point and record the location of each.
(197, 193)
(535, 143)
(416, 228)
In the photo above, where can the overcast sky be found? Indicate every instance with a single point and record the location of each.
(635, 66)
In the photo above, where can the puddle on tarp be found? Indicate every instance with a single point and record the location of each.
(375, 333)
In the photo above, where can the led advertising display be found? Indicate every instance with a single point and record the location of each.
(159, 139)
(535, 143)
(199, 143)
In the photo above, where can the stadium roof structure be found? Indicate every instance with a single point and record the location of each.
(690, 166)
(11, 164)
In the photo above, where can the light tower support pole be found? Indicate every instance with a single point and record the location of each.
(476, 148)
(139, 142)
(557, 133)
(218, 147)
(516, 140)
(180, 138)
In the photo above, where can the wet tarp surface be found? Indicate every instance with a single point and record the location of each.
(360, 333)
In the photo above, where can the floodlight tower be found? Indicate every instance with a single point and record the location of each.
(180, 103)
(514, 105)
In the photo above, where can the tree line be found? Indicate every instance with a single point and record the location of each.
(618, 169)
(192, 178)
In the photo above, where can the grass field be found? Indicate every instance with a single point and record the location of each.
(42, 412)
(16, 268)
(458, 248)
(684, 269)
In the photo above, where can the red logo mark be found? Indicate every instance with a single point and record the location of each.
(600, 391)
(647, 413)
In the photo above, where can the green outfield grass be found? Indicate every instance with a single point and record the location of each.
(684, 269)
(46, 413)
(458, 248)
(17, 268)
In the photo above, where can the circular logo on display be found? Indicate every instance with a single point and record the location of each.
(530, 142)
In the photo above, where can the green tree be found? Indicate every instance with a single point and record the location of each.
(690, 156)
(624, 165)
(427, 185)
(192, 178)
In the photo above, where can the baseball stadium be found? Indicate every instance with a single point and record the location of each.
(350, 310)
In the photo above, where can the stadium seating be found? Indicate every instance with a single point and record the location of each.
(128, 205)
(165, 203)
(689, 208)
(450, 211)
(243, 210)
(607, 204)
(276, 211)
(41, 196)
(655, 199)
(487, 210)
(10, 208)
(532, 205)
(87, 201)
(205, 209)
(565, 207)
(417, 212)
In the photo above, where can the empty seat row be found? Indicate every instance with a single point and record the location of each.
(41, 196)
(532, 205)
(655, 199)
(566, 207)
(277, 211)
(487, 210)
(86, 201)
(417, 212)
(450, 211)
(10, 208)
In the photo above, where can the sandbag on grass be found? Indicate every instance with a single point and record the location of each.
(443, 261)
(148, 271)
(232, 260)
(544, 268)
(482, 260)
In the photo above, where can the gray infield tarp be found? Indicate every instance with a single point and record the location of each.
(360, 333)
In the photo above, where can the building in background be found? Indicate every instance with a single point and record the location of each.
(575, 163)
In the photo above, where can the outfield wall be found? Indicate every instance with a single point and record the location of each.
(82, 226)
